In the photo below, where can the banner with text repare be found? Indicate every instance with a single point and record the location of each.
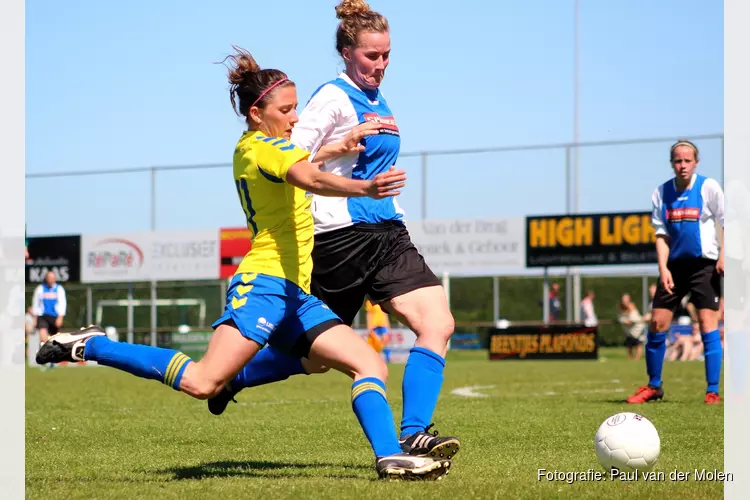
(590, 239)
(146, 256)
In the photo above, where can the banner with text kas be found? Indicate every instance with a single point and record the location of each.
(470, 246)
(147, 256)
(59, 254)
(590, 239)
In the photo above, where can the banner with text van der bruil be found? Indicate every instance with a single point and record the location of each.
(146, 256)
(470, 246)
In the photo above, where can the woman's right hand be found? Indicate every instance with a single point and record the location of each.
(387, 184)
(665, 277)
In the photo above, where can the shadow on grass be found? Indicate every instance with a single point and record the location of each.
(263, 468)
(633, 406)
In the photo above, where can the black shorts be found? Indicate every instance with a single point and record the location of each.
(698, 277)
(47, 322)
(632, 341)
(375, 260)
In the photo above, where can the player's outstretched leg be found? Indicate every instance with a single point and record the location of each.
(425, 311)
(91, 344)
(342, 349)
(228, 351)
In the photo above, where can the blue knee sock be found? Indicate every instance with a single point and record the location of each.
(269, 365)
(656, 348)
(375, 416)
(423, 379)
(156, 363)
(713, 354)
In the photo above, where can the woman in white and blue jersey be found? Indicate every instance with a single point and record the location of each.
(362, 248)
(686, 211)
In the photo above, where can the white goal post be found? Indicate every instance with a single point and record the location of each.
(132, 303)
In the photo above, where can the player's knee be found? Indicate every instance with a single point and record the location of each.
(440, 326)
(311, 367)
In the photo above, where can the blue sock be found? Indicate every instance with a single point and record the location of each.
(713, 354)
(656, 348)
(269, 365)
(375, 416)
(423, 379)
(156, 363)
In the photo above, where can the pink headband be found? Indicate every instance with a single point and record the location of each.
(268, 90)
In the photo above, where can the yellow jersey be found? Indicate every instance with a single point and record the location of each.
(278, 214)
(375, 315)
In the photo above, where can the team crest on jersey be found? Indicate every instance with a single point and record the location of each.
(683, 215)
(388, 123)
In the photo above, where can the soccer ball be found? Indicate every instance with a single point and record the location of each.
(627, 442)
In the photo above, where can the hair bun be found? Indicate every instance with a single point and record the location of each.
(351, 8)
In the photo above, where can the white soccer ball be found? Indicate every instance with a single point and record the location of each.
(627, 442)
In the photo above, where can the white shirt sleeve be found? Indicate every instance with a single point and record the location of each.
(656, 217)
(715, 200)
(62, 301)
(37, 307)
(318, 119)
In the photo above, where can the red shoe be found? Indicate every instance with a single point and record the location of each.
(645, 394)
(712, 398)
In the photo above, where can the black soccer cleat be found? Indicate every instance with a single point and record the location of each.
(67, 346)
(405, 467)
(424, 444)
(218, 403)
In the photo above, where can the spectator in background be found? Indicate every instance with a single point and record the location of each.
(49, 306)
(588, 315)
(633, 325)
(554, 302)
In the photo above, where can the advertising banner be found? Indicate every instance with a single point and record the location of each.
(59, 254)
(234, 244)
(544, 342)
(470, 246)
(147, 256)
(590, 240)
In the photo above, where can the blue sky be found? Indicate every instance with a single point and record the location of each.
(113, 85)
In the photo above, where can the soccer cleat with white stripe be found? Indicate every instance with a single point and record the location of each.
(424, 444)
(405, 467)
(67, 346)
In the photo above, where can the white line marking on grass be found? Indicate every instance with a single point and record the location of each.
(471, 391)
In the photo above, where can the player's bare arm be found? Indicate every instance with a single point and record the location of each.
(308, 176)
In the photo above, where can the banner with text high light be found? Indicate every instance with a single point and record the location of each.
(590, 240)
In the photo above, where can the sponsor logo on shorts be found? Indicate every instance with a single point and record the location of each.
(265, 325)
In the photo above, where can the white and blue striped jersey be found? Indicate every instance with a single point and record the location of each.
(49, 300)
(332, 112)
(689, 217)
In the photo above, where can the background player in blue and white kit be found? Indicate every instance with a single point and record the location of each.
(49, 305)
(686, 210)
(362, 248)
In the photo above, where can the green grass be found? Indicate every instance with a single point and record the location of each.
(93, 432)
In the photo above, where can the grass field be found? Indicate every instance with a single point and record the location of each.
(93, 432)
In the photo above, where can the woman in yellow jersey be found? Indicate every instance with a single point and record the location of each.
(378, 328)
(268, 301)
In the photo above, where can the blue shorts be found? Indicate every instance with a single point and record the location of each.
(380, 330)
(275, 311)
